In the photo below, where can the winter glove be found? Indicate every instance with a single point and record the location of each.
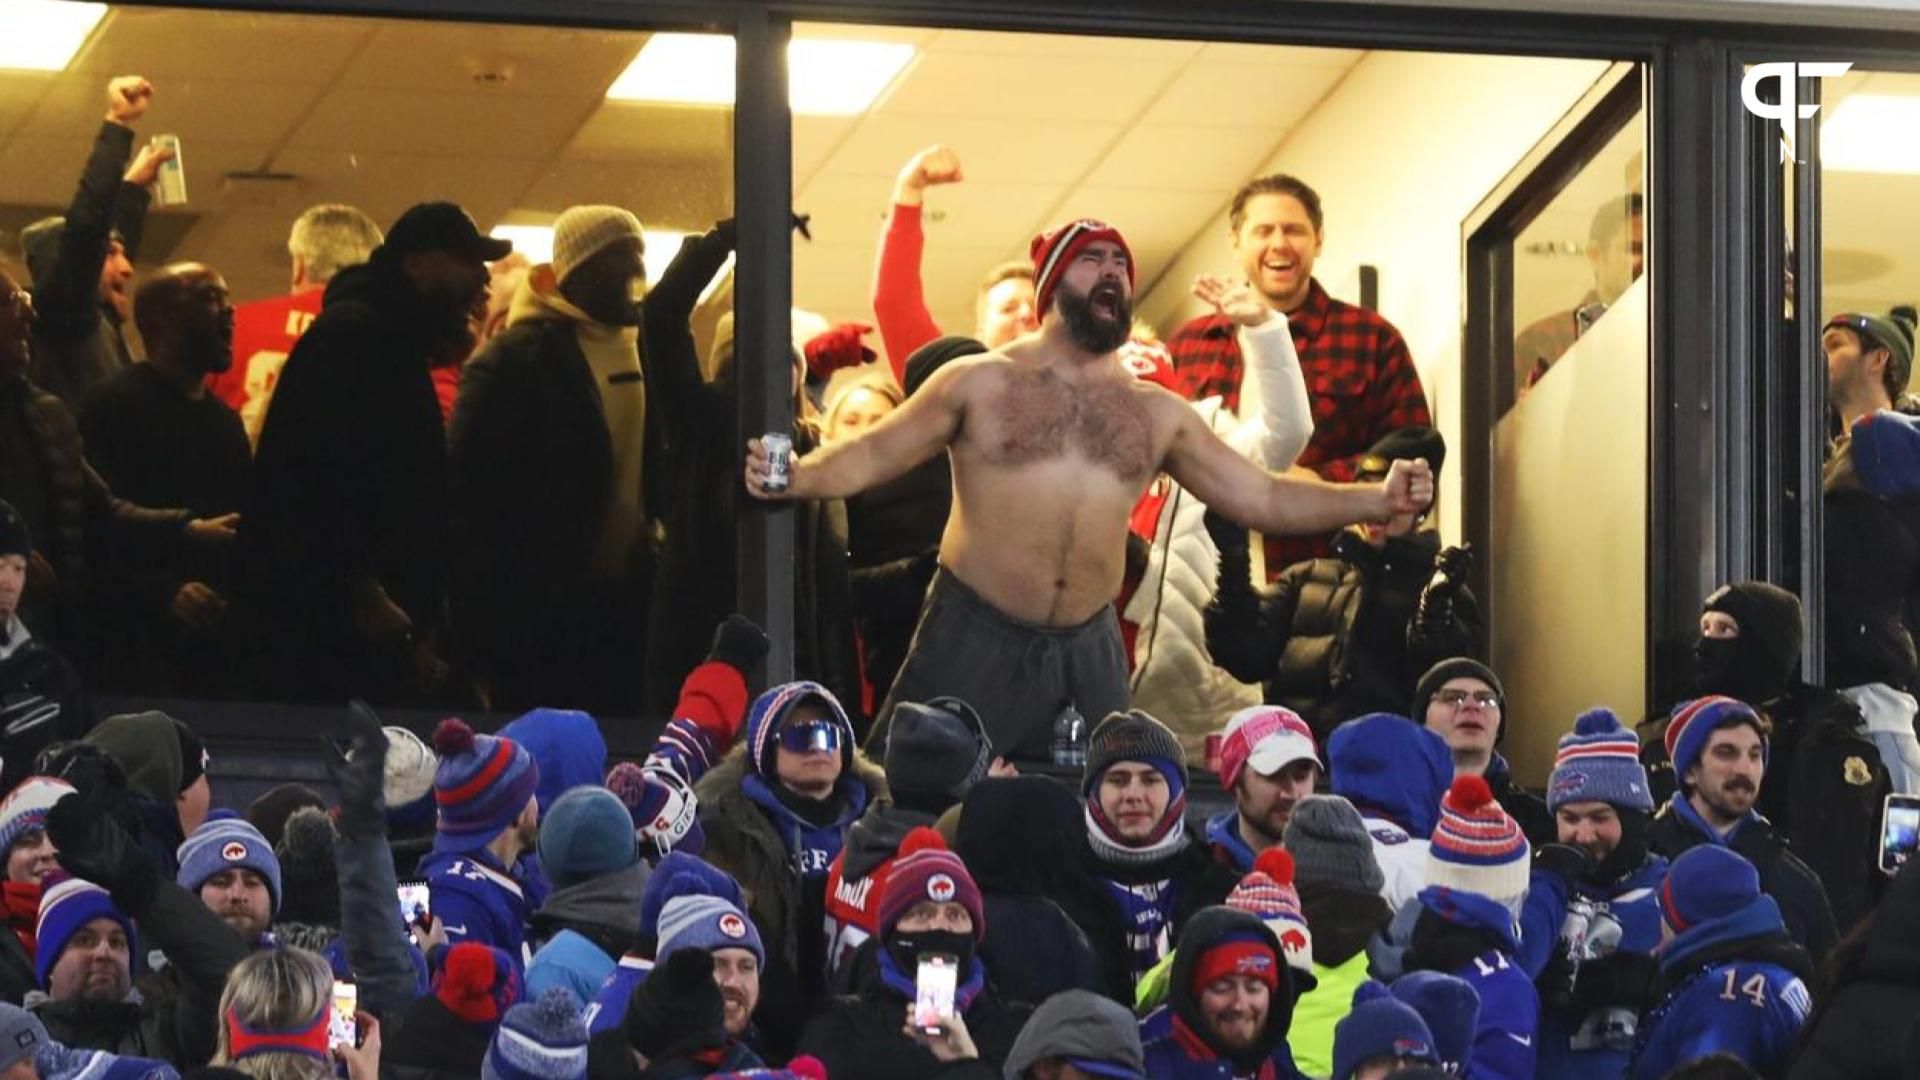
(836, 348)
(94, 847)
(1435, 608)
(1227, 536)
(739, 643)
(1564, 861)
(360, 773)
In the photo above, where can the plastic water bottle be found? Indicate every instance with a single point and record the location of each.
(1070, 738)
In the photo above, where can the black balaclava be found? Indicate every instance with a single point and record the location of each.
(1760, 664)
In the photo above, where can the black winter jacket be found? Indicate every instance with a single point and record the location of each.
(1335, 638)
(428, 1042)
(1872, 587)
(859, 1036)
(531, 466)
(77, 341)
(349, 485)
(1791, 883)
(41, 703)
(1859, 1024)
(1199, 882)
(702, 499)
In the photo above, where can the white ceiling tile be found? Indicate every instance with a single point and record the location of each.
(684, 198)
(990, 149)
(1020, 90)
(1212, 160)
(1001, 43)
(44, 169)
(383, 185)
(814, 139)
(421, 122)
(844, 211)
(194, 109)
(1221, 96)
(1157, 224)
(20, 91)
(625, 131)
(902, 35)
(168, 43)
(851, 210)
(444, 56)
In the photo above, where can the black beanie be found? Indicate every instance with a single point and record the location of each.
(678, 1010)
(935, 752)
(193, 756)
(1766, 613)
(1457, 667)
(269, 812)
(15, 539)
(1405, 444)
(310, 880)
(935, 355)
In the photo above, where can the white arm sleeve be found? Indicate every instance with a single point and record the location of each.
(1276, 419)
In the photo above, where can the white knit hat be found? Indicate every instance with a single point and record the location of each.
(582, 231)
(411, 764)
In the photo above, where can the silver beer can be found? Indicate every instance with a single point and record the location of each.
(171, 188)
(779, 448)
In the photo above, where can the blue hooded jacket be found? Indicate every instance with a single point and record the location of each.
(568, 747)
(1393, 766)
(1223, 835)
(1635, 902)
(1736, 984)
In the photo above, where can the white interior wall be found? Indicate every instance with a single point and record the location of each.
(1401, 151)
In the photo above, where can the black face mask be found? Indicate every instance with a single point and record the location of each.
(1738, 669)
(906, 948)
(1626, 856)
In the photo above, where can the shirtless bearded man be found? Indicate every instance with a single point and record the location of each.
(1052, 441)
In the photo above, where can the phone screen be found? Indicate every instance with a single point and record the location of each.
(342, 1029)
(1899, 831)
(414, 899)
(934, 986)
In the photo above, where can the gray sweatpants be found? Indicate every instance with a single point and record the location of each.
(1017, 675)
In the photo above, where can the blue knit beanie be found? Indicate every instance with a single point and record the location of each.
(586, 833)
(1694, 722)
(1450, 1006)
(566, 744)
(483, 784)
(1380, 1025)
(1707, 882)
(770, 711)
(544, 1039)
(227, 844)
(66, 905)
(1599, 761)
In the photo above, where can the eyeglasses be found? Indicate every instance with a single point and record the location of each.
(813, 736)
(1486, 699)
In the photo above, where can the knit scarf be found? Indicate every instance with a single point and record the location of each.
(23, 910)
(903, 984)
(1169, 838)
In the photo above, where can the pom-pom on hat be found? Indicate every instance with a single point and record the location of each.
(925, 870)
(1476, 847)
(1599, 761)
(1053, 251)
(483, 784)
(1694, 722)
(477, 983)
(1267, 893)
(545, 1039)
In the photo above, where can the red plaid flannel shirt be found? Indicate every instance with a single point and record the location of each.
(1359, 376)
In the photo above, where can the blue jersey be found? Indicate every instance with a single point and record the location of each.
(1504, 1039)
(608, 1010)
(1753, 1011)
(475, 900)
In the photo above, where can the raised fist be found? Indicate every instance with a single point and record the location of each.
(127, 99)
(934, 165)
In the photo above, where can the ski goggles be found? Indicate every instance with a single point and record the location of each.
(812, 736)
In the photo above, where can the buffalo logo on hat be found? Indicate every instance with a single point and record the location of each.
(940, 888)
(1293, 941)
(733, 925)
(1569, 783)
(1253, 964)
(1411, 1048)
(234, 851)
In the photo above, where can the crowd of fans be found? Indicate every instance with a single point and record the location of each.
(434, 474)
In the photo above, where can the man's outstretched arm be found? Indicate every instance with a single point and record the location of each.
(1286, 505)
(907, 436)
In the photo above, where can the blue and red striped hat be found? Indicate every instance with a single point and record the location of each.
(482, 786)
(1599, 761)
(1694, 722)
(1707, 882)
(1476, 847)
(769, 714)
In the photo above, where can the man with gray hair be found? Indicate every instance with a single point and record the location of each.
(546, 448)
(325, 239)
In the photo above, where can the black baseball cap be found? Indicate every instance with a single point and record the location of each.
(443, 226)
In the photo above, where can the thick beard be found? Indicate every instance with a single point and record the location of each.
(1086, 327)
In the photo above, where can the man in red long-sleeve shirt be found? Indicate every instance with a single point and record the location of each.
(1358, 371)
(1004, 308)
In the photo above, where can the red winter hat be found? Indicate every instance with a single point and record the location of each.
(925, 870)
(1236, 954)
(477, 983)
(1052, 251)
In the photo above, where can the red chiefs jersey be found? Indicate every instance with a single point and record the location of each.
(263, 334)
(853, 909)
